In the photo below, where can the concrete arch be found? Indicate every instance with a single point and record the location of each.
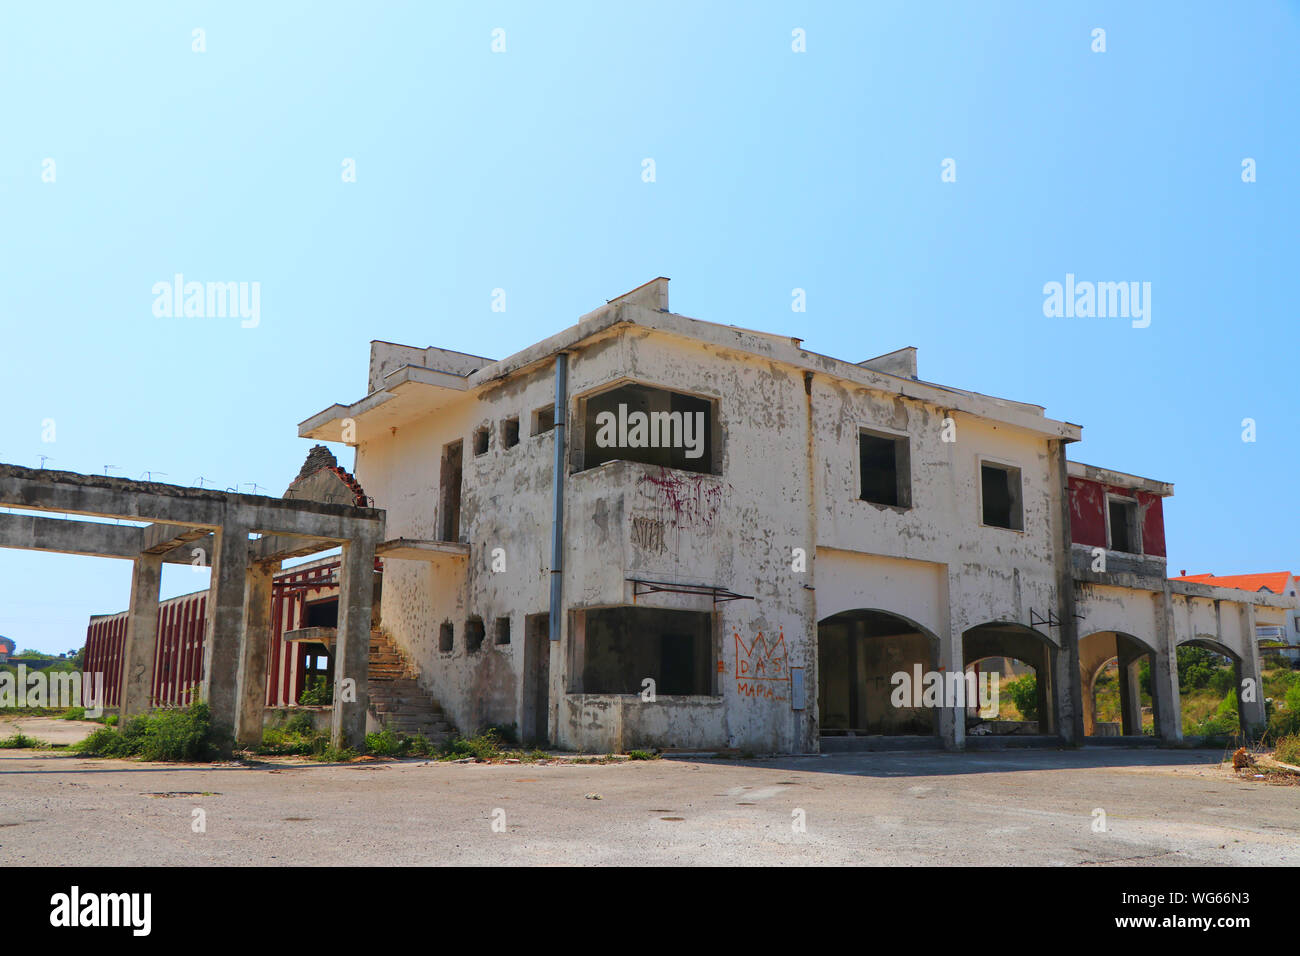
(859, 652)
(1020, 642)
(1097, 650)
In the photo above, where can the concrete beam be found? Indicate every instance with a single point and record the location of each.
(66, 536)
(73, 493)
(162, 538)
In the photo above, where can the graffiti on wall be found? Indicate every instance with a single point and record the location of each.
(763, 667)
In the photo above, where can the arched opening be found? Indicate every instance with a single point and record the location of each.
(859, 652)
(1119, 697)
(1022, 658)
(1209, 689)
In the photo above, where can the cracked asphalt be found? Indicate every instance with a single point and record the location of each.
(985, 809)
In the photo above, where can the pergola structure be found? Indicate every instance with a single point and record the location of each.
(244, 539)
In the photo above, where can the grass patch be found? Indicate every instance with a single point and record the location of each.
(1288, 750)
(641, 755)
(21, 741)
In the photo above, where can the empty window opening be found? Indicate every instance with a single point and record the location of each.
(885, 467)
(481, 440)
(322, 614)
(543, 419)
(450, 481)
(510, 432)
(1000, 485)
(446, 637)
(649, 425)
(474, 633)
(1123, 526)
(624, 646)
(503, 630)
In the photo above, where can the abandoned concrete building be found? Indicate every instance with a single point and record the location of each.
(653, 531)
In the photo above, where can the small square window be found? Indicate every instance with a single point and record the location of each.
(503, 630)
(474, 634)
(510, 432)
(543, 419)
(446, 637)
(481, 436)
(885, 469)
(1001, 496)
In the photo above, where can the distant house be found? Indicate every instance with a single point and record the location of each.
(7, 649)
(1277, 582)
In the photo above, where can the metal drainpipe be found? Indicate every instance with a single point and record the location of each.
(557, 486)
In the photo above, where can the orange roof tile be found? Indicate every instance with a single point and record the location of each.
(1274, 581)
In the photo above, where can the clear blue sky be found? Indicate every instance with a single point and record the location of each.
(522, 171)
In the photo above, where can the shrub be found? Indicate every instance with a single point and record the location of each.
(21, 741)
(1024, 694)
(318, 692)
(166, 735)
(300, 724)
(640, 755)
(75, 713)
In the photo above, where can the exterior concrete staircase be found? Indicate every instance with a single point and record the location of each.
(396, 698)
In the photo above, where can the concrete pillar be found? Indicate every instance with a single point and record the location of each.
(224, 628)
(251, 679)
(141, 636)
(352, 650)
(1252, 712)
(1128, 659)
(1067, 690)
(952, 720)
(1164, 672)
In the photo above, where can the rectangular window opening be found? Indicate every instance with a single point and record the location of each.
(502, 631)
(885, 467)
(649, 425)
(543, 420)
(446, 637)
(481, 436)
(474, 634)
(449, 485)
(1001, 496)
(1123, 526)
(624, 646)
(510, 432)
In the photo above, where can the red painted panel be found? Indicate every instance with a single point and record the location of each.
(1087, 513)
(1153, 523)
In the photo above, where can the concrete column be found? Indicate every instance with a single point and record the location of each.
(1252, 712)
(352, 650)
(224, 628)
(1130, 693)
(141, 636)
(1067, 690)
(952, 720)
(251, 679)
(1164, 672)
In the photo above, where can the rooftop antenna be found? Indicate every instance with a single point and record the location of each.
(114, 467)
(148, 475)
(256, 486)
(200, 479)
(44, 459)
